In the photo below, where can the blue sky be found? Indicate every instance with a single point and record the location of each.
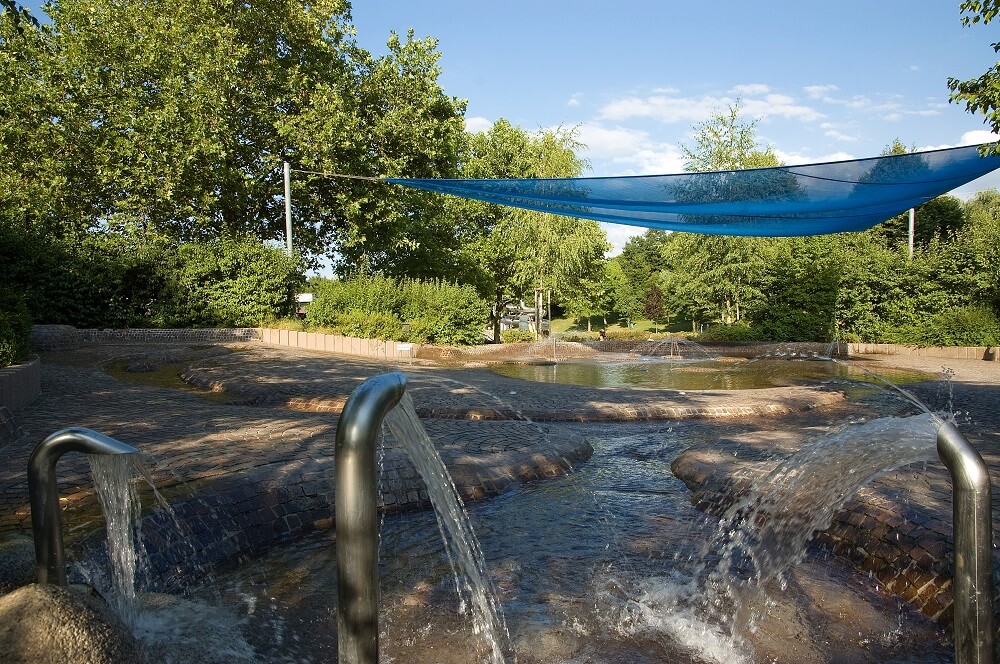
(828, 81)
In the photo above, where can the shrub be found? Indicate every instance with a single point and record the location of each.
(516, 336)
(436, 312)
(626, 334)
(580, 336)
(293, 324)
(957, 326)
(227, 282)
(15, 327)
(367, 325)
(735, 333)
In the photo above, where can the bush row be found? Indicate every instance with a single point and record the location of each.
(109, 280)
(379, 307)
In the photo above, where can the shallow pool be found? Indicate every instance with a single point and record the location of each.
(592, 567)
(720, 374)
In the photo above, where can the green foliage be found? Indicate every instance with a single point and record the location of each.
(803, 282)
(516, 336)
(957, 326)
(735, 333)
(100, 281)
(510, 252)
(367, 324)
(626, 334)
(177, 116)
(15, 327)
(726, 142)
(229, 283)
(291, 324)
(435, 311)
(580, 336)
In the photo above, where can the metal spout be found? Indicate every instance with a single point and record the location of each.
(356, 512)
(973, 536)
(46, 519)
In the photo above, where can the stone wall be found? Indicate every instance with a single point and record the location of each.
(335, 343)
(67, 337)
(952, 353)
(20, 384)
(185, 336)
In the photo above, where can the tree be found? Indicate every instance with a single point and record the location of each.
(980, 239)
(982, 94)
(721, 276)
(510, 252)
(727, 142)
(174, 119)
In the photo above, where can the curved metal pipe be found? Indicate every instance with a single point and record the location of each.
(356, 513)
(46, 520)
(973, 535)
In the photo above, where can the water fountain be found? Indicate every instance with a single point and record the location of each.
(974, 635)
(46, 519)
(360, 426)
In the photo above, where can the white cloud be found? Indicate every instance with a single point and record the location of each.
(476, 125)
(619, 235)
(819, 91)
(750, 89)
(663, 108)
(574, 100)
(672, 109)
(608, 143)
(627, 151)
(654, 160)
(977, 136)
(838, 135)
(795, 158)
(892, 117)
(781, 106)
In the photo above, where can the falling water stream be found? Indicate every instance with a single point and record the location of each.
(120, 504)
(472, 578)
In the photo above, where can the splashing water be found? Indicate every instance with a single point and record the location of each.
(475, 589)
(120, 503)
(766, 532)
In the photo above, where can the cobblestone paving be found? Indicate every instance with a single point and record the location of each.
(257, 469)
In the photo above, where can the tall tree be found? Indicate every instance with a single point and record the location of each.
(510, 252)
(175, 118)
(721, 275)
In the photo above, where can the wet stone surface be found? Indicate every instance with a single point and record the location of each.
(244, 475)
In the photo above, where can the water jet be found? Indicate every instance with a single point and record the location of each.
(46, 519)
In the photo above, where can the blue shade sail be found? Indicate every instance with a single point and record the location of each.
(810, 199)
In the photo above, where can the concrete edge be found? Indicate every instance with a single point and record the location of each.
(20, 384)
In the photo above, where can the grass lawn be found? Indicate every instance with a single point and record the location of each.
(560, 325)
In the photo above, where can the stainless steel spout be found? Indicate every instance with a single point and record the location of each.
(46, 519)
(973, 536)
(356, 512)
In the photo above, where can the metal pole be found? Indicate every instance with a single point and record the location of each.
(288, 208)
(973, 535)
(552, 332)
(913, 226)
(356, 513)
(43, 494)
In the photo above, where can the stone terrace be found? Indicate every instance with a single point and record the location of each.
(252, 465)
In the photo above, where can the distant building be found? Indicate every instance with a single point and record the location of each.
(302, 302)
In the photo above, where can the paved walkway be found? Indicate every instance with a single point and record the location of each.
(253, 465)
